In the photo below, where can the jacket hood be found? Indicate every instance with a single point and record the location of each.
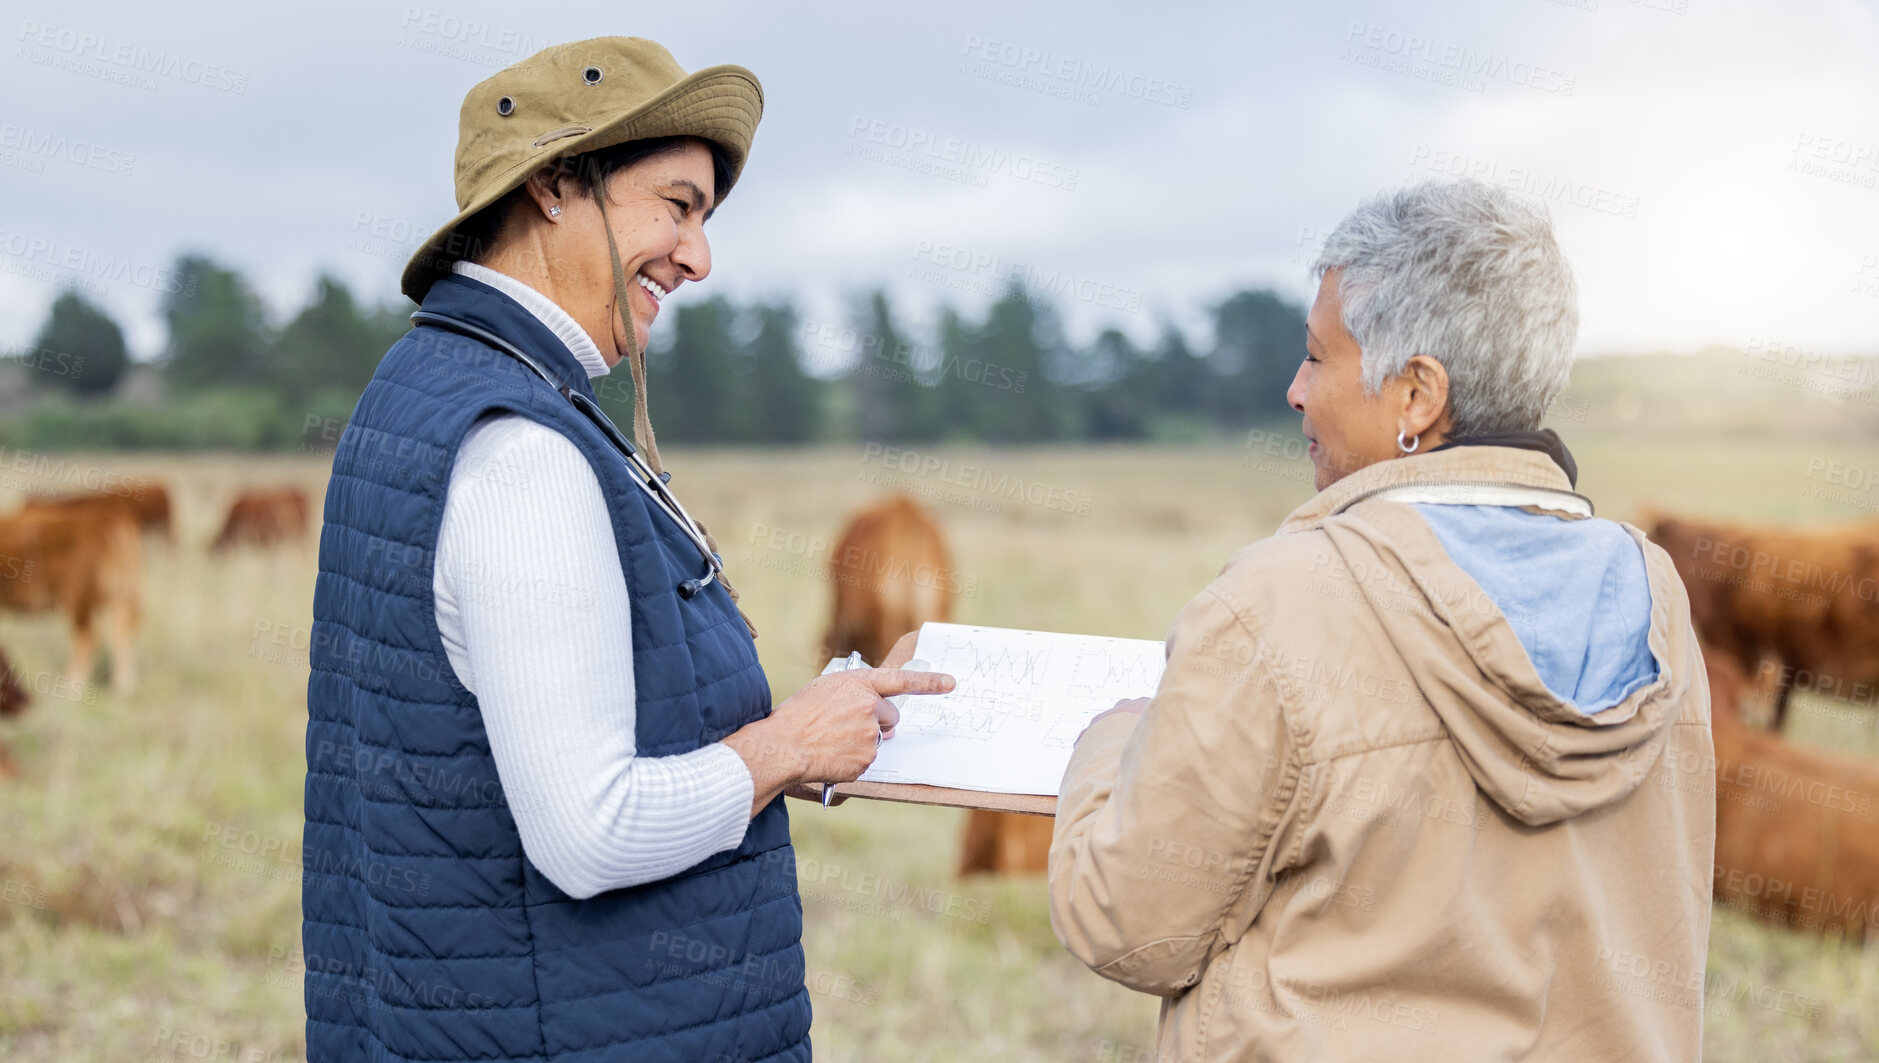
(1535, 754)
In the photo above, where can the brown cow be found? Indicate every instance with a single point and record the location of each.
(1807, 598)
(1797, 830)
(1005, 843)
(145, 502)
(892, 573)
(264, 518)
(88, 566)
(13, 701)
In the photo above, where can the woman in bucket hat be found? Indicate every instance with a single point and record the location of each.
(544, 777)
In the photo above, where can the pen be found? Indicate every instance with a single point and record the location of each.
(854, 661)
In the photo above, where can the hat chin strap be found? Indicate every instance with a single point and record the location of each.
(636, 361)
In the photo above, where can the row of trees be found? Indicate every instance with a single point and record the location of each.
(219, 339)
(728, 373)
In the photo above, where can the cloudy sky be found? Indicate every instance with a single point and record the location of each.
(1712, 165)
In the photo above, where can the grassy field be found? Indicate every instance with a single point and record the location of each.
(150, 880)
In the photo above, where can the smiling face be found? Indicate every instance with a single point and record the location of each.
(1349, 428)
(657, 207)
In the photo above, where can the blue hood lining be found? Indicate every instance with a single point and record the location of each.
(1574, 591)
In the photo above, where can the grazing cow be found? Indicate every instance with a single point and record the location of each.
(146, 503)
(264, 518)
(1807, 598)
(1797, 830)
(891, 574)
(1005, 843)
(13, 700)
(88, 566)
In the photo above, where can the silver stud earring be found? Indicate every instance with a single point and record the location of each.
(554, 212)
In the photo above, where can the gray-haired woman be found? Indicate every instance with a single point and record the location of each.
(1428, 775)
(543, 800)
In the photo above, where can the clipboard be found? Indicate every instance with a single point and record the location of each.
(1032, 691)
(912, 794)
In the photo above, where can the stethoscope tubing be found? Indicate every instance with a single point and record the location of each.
(642, 474)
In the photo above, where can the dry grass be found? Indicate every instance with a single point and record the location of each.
(128, 931)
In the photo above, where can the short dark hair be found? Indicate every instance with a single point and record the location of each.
(477, 235)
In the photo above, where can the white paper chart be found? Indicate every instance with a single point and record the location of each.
(1022, 699)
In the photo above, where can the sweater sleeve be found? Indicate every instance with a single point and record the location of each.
(532, 605)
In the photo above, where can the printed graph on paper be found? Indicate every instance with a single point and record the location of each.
(1022, 698)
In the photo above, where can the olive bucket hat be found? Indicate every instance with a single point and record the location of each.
(574, 98)
(569, 100)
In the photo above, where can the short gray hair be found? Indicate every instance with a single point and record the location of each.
(1469, 275)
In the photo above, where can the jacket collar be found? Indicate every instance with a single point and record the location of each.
(1544, 440)
(1469, 465)
(559, 321)
(487, 308)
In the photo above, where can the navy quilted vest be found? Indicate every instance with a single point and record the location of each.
(428, 933)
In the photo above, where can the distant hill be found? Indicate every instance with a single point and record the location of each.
(1770, 391)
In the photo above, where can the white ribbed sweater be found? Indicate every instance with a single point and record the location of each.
(531, 602)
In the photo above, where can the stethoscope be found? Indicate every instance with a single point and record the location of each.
(654, 484)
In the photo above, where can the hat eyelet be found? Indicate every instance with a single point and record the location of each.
(505, 106)
(591, 75)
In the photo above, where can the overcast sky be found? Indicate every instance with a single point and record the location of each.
(1712, 165)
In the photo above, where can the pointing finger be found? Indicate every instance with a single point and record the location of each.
(888, 682)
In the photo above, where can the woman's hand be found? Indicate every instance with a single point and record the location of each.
(828, 730)
(1132, 706)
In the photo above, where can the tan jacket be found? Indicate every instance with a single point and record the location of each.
(1354, 824)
